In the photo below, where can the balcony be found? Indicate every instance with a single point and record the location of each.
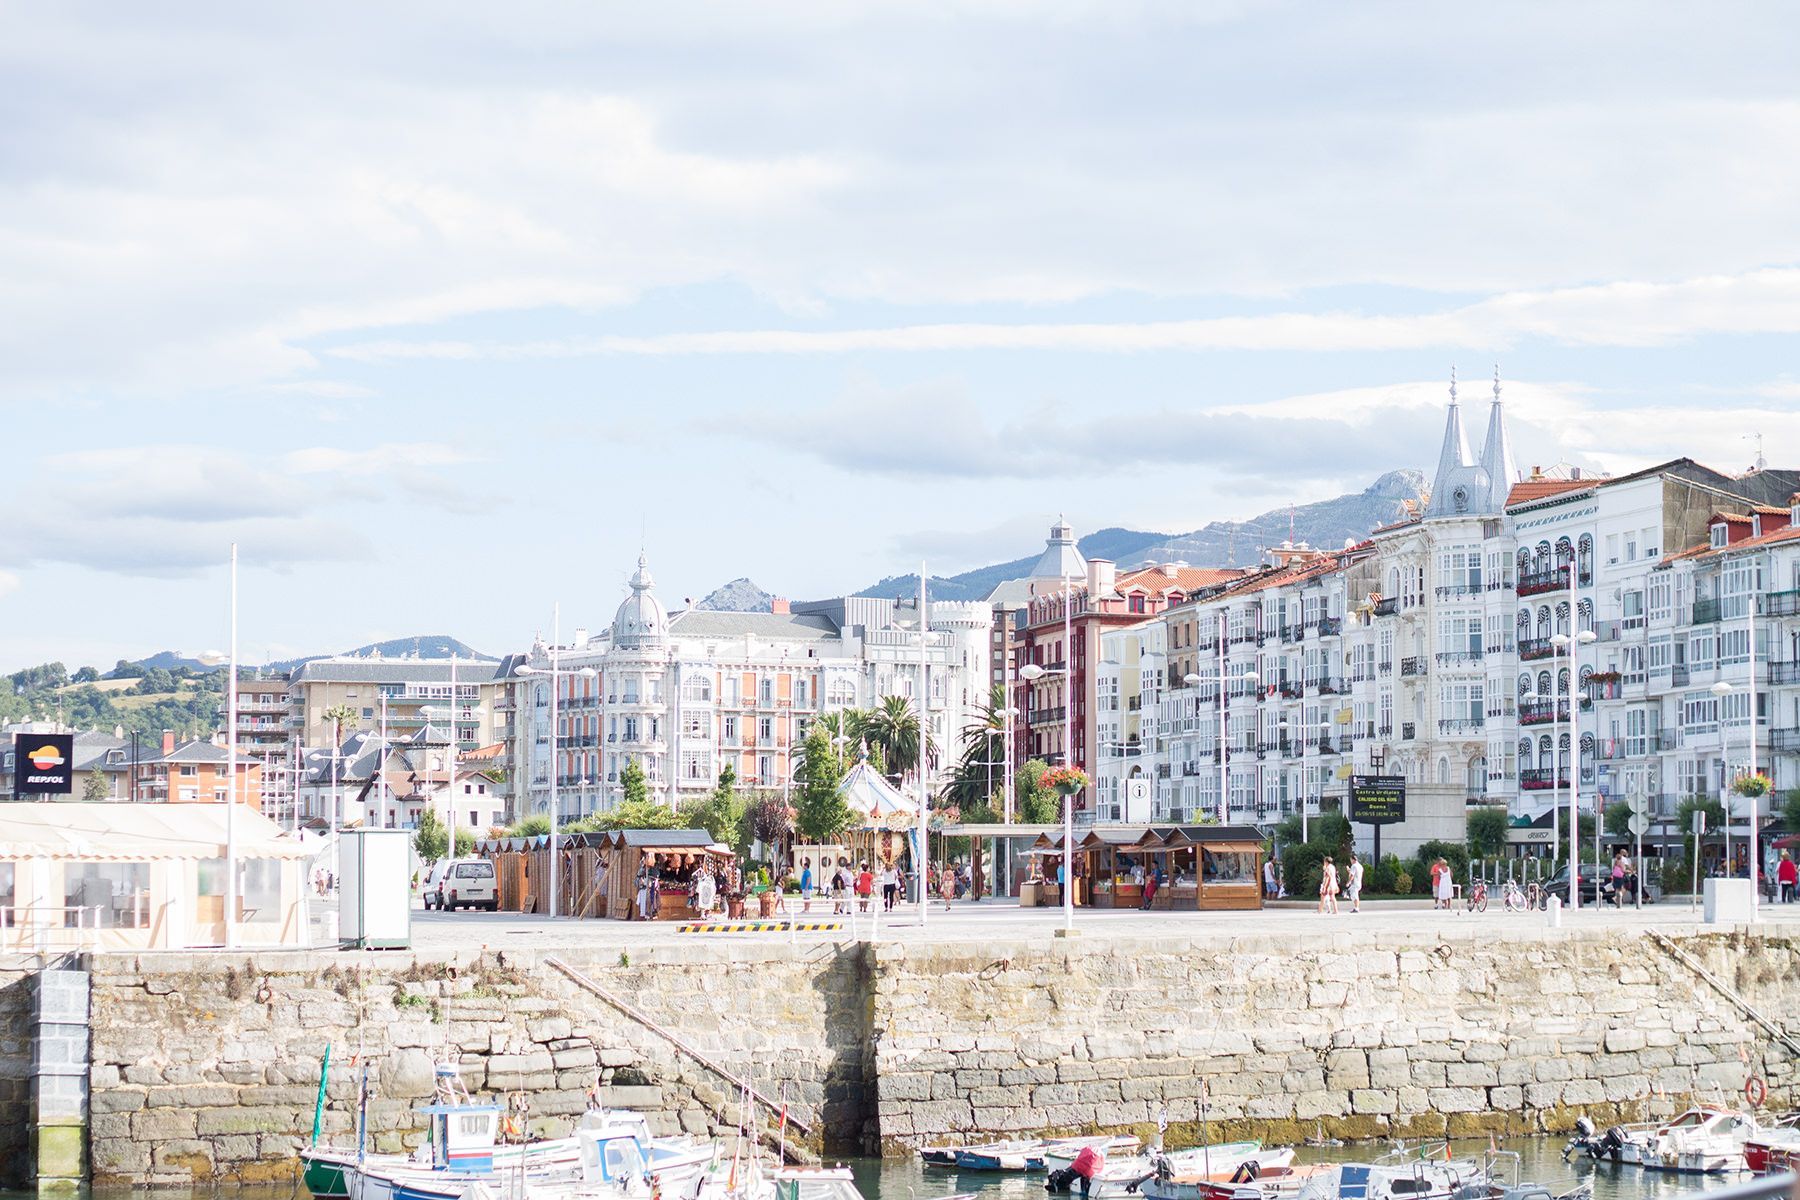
(1782, 604)
(1456, 591)
(1706, 612)
(1667, 739)
(1292, 633)
(1458, 658)
(1533, 583)
(1532, 649)
(1784, 672)
(1330, 626)
(1387, 606)
(1407, 731)
(1460, 726)
(1045, 716)
(1386, 731)
(1784, 741)
(1328, 687)
(1290, 689)
(1540, 712)
(1412, 666)
(1541, 779)
(1386, 668)
(1679, 675)
(1327, 746)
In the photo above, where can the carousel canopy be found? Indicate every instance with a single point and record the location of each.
(879, 802)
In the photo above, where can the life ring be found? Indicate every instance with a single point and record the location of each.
(1756, 1091)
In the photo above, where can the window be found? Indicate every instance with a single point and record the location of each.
(728, 728)
(6, 894)
(765, 728)
(106, 895)
(697, 687)
(189, 770)
(260, 895)
(1227, 866)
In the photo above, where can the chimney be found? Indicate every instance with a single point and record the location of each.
(168, 741)
(1167, 570)
(581, 638)
(779, 606)
(1102, 573)
(1574, 472)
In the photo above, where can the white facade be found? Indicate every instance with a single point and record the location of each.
(687, 694)
(1128, 708)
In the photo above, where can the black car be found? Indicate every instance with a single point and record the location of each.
(1596, 886)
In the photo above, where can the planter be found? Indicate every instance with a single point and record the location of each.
(765, 904)
(734, 907)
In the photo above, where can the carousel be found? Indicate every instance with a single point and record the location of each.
(887, 819)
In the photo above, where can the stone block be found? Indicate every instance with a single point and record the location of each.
(617, 1056)
(162, 1124)
(549, 1029)
(1346, 1070)
(1472, 1074)
(579, 1056)
(122, 1098)
(638, 1097)
(1506, 1099)
(1620, 1040)
(1374, 1101)
(1453, 1099)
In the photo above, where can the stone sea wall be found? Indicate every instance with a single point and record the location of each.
(205, 1067)
(15, 1069)
(1358, 1035)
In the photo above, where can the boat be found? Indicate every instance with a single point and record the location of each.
(938, 1156)
(463, 1147)
(1035, 1154)
(1120, 1177)
(1774, 1147)
(1701, 1141)
(1399, 1176)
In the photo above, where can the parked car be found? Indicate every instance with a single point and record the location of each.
(462, 883)
(1596, 886)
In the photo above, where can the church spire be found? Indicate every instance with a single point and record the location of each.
(1455, 454)
(1496, 452)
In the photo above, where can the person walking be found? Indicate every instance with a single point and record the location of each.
(865, 887)
(1620, 866)
(1328, 886)
(1270, 891)
(806, 885)
(1353, 882)
(1443, 886)
(1787, 876)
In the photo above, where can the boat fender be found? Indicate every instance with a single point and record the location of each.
(1756, 1091)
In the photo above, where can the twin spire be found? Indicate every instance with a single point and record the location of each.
(1464, 486)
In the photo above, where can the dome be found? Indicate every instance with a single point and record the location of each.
(641, 619)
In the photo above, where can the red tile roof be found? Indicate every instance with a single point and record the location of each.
(1527, 490)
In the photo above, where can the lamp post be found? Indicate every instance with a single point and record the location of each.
(1720, 690)
(1006, 786)
(555, 673)
(1566, 646)
(1031, 673)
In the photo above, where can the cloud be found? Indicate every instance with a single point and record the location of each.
(9, 583)
(1618, 314)
(173, 510)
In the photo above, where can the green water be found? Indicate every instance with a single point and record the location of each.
(906, 1179)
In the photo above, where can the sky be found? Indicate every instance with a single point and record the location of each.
(442, 312)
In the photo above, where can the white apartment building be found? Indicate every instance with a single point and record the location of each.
(687, 694)
(1128, 706)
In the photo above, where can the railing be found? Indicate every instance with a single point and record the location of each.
(1293, 633)
(1412, 666)
(1045, 716)
(1784, 672)
(1531, 649)
(1782, 604)
(1387, 606)
(1386, 731)
(1386, 668)
(1327, 746)
(1706, 612)
(1329, 687)
(1330, 626)
(1784, 739)
(1679, 676)
(1532, 583)
(1667, 739)
(1454, 590)
(1406, 731)
(1290, 689)
(1541, 712)
(1458, 658)
(1457, 726)
(1540, 779)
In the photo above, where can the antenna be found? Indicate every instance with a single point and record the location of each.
(1755, 435)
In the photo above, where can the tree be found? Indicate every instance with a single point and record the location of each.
(894, 726)
(1035, 801)
(770, 822)
(631, 782)
(465, 843)
(95, 788)
(971, 784)
(430, 839)
(338, 716)
(1681, 874)
(721, 811)
(630, 814)
(1618, 820)
(822, 814)
(1487, 831)
(1455, 856)
(536, 825)
(86, 675)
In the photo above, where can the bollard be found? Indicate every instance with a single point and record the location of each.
(1553, 915)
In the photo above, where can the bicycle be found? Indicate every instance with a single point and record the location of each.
(1477, 897)
(1514, 897)
(1536, 896)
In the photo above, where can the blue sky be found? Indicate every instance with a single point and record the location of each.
(439, 310)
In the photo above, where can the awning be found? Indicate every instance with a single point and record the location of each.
(138, 832)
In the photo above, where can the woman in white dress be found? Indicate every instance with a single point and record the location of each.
(1328, 887)
(1444, 891)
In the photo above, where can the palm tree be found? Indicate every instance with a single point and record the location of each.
(971, 786)
(893, 725)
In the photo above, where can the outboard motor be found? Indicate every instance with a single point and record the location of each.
(1583, 1139)
(1060, 1180)
(1612, 1144)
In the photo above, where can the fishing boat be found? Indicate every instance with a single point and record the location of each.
(1701, 1141)
(1034, 1154)
(938, 1156)
(1120, 1177)
(1774, 1147)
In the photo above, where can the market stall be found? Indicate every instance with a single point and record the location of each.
(676, 856)
(1110, 857)
(1205, 866)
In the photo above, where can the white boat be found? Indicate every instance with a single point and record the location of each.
(1701, 1141)
(1415, 1179)
(1123, 1177)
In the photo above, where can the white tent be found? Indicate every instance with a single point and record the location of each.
(876, 800)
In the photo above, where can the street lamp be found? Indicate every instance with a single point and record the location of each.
(1566, 647)
(1721, 690)
(1006, 786)
(555, 672)
(1031, 673)
(1300, 724)
(1193, 680)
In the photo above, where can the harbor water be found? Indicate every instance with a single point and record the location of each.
(907, 1179)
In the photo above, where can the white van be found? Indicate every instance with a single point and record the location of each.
(462, 883)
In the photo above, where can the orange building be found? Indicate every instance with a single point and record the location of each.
(195, 772)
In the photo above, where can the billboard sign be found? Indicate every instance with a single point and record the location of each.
(43, 764)
(1378, 799)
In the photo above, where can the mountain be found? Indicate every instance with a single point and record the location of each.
(740, 595)
(432, 645)
(1327, 524)
(170, 660)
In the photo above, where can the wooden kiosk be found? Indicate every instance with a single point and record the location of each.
(1109, 853)
(1205, 866)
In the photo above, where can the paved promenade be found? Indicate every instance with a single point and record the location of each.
(1005, 920)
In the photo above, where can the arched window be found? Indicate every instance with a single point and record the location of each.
(1524, 560)
(1562, 617)
(1543, 684)
(1443, 770)
(1524, 683)
(1562, 756)
(1543, 623)
(1562, 682)
(1544, 752)
(1541, 557)
(1584, 564)
(1477, 782)
(1565, 552)
(1524, 624)
(1587, 758)
(1585, 610)
(1586, 672)
(1524, 754)
(1393, 587)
